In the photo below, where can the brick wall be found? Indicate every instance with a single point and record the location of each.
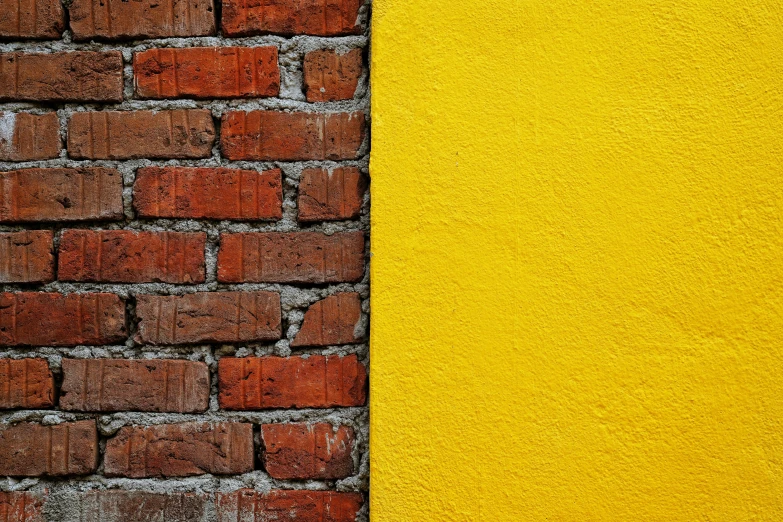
(183, 257)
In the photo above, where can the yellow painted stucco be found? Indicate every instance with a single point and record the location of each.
(577, 271)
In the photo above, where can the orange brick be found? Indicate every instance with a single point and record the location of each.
(299, 505)
(187, 133)
(208, 193)
(256, 383)
(33, 19)
(33, 450)
(329, 76)
(331, 195)
(284, 136)
(207, 72)
(296, 257)
(331, 321)
(307, 451)
(315, 17)
(29, 137)
(26, 383)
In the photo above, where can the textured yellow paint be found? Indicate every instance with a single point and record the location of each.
(577, 269)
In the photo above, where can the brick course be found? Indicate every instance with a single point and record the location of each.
(182, 235)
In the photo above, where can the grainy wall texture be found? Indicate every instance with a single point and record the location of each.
(183, 252)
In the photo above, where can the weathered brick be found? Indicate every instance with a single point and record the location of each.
(209, 317)
(71, 76)
(26, 257)
(307, 451)
(26, 383)
(330, 76)
(186, 133)
(331, 195)
(180, 450)
(255, 383)
(142, 506)
(134, 385)
(21, 506)
(249, 505)
(291, 136)
(33, 19)
(298, 257)
(29, 137)
(208, 193)
(120, 19)
(333, 320)
(33, 450)
(81, 194)
(42, 319)
(207, 72)
(128, 256)
(315, 17)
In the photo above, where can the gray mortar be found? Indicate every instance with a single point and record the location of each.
(295, 299)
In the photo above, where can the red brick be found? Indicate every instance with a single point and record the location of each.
(208, 193)
(34, 19)
(255, 383)
(297, 257)
(82, 194)
(330, 76)
(307, 451)
(331, 321)
(185, 133)
(207, 72)
(33, 450)
(26, 257)
(134, 385)
(248, 505)
(180, 450)
(141, 506)
(120, 19)
(331, 195)
(29, 137)
(128, 256)
(21, 506)
(41, 319)
(209, 317)
(26, 383)
(71, 76)
(291, 136)
(286, 17)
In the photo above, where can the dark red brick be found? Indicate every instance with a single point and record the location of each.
(209, 317)
(331, 195)
(42, 319)
(307, 451)
(156, 385)
(82, 194)
(331, 321)
(180, 450)
(208, 193)
(33, 450)
(315, 17)
(26, 383)
(248, 505)
(33, 19)
(330, 76)
(297, 257)
(291, 136)
(256, 383)
(122, 20)
(128, 256)
(179, 134)
(207, 72)
(21, 506)
(71, 76)
(26, 257)
(29, 137)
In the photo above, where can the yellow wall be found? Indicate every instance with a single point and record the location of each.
(577, 268)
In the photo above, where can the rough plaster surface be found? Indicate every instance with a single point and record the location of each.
(577, 261)
(295, 299)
